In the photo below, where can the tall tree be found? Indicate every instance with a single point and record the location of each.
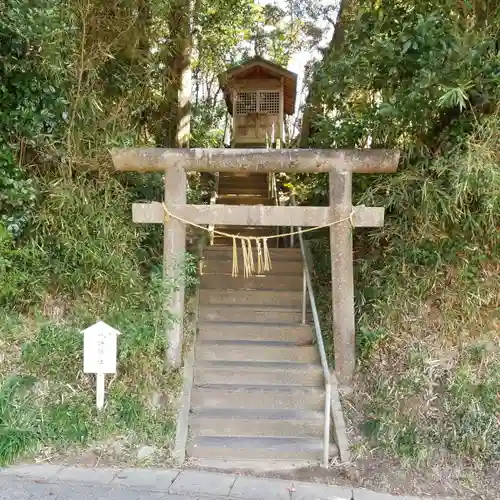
(312, 109)
(173, 127)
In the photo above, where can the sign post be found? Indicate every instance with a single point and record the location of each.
(99, 355)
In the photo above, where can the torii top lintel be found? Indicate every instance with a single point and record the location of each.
(256, 160)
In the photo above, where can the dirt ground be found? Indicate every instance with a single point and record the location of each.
(388, 476)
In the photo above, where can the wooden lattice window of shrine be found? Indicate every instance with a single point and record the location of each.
(246, 102)
(269, 102)
(257, 114)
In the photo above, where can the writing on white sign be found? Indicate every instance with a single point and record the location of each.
(99, 355)
(99, 348)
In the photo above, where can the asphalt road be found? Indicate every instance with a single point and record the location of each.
(55, 482)
(15, 488)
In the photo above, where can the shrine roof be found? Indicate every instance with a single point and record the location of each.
(260, 68)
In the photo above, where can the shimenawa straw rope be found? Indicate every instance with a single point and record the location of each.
(261, 246)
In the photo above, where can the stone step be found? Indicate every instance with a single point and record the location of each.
(244, 200)
(253, 191)
(253, 331)
(242, 175)
(257, 465)
(222, 282)
(244, 182)
(227, 242)
(255, 351)
(201, 424)
(250, 314)
(249, 448)
(245, 231)
(252, 188)
(244, 186)
(260, 233)
(277, 254)
(251, 297)
(254, 397)
(214, 372)
(224, 265)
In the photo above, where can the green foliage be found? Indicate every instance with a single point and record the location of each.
(76, 79)
(221, 28)
(19, 284)
(17, 431)
(402, 79)
(368, 340)
(438, 405)
(31, 106)
(54, 346)
(17, 193)
(206, 127)
(53, 404)
(404, 69)
(82, 240)
(443, 216)
(82, 261)
(69, 422)
(87, 236)
(423, 78)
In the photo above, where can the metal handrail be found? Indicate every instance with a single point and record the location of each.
(307, 291)
(213, 201)
(275, 189)
(275, 195)
(276, 198)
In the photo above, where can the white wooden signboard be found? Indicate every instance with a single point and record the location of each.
(99, 354)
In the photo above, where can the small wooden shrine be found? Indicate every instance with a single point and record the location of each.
(258, 95)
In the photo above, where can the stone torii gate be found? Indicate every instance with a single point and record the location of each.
(340, 164)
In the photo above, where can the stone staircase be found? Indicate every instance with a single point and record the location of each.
(243, 189)
(257, 398)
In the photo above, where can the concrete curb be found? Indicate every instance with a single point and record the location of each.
(339, 428)
(182, 425)
(191, 483)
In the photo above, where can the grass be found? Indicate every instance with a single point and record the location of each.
(85, 261)
(427, 308)
(47, 402)
(438, 406)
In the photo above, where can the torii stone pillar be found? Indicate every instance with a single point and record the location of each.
(174, 248)
(340, 184)
(340, 164)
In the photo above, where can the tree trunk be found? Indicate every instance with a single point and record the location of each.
(173, 127)
(144, 22)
